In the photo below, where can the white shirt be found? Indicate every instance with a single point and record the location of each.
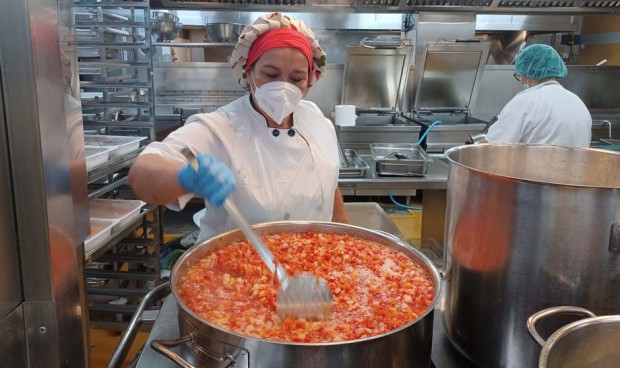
(284, 177)
(544, 114)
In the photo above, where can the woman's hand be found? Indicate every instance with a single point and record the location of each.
(212, 179)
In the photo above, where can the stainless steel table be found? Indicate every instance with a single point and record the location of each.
(373, 184)
(434, 186)
(166, 327)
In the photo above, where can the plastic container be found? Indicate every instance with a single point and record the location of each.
(96, 155)
(121, 211)
(371, 216)
(400, 159)
(122, 144)
(100, 231)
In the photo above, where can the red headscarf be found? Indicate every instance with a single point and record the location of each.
(280, 37)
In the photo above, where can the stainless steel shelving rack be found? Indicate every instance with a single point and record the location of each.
(113, 39)
(115, 65)
(128, 261)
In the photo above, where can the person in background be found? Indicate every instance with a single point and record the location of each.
(545, 112)
(272, 152)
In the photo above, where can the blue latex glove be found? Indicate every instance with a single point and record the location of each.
(212, 180)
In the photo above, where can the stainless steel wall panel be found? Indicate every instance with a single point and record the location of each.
(497, 87)
(598, 87)
(42, 335)
(10, 270)
(327, 91)
(433, 27)
(216, 79)
(194, 77)
(530, 22)
(12, 339)
(316, 21)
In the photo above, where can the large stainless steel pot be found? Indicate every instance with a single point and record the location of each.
(588, 343)
(528, 227)
(210, 345)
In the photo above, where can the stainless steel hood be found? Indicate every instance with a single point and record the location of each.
(400, 6)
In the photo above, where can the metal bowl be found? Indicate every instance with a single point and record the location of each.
(164, 16)
(165, 27)
(224, 32)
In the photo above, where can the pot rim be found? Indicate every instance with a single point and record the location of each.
(525, 180)
(434, 273)
(567, 330)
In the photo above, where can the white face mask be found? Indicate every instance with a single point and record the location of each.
(524, 85)
(277, 99)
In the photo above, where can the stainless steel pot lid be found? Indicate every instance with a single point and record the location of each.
(375, 78)
(449, 76)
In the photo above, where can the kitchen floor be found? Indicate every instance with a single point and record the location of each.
(179, 224)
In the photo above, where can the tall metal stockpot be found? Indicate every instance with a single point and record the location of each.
(528, 227)
(206, 344)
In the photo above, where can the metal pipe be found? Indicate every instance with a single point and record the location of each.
(608, 123)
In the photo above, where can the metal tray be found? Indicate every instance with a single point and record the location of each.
(100, 231)
(122, 144)
(119, 211)
(400, 159)
(96, 155)
(357, 168)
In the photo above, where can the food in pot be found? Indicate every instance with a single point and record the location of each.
(376, 289)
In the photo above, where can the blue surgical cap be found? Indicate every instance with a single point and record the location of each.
(540, 62)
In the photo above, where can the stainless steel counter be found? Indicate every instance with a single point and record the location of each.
(444, 355)
(373, 184)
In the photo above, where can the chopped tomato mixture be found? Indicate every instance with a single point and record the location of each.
(376, 289)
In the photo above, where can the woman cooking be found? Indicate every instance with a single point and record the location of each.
(273, 153)
(544, 112)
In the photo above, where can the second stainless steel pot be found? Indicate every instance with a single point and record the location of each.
(592, 342)
(528, 226)
(208, 344)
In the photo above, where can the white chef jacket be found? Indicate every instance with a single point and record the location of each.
(545, 114)
(291, 176)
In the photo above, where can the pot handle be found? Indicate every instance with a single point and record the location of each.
(165, 348)
(531, 322)
(151, 298)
